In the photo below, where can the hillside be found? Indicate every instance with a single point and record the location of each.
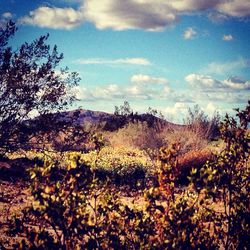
(108, 121)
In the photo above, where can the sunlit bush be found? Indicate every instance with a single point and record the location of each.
(121, 164)
(188, 161)
(135, 134)
(188, 139)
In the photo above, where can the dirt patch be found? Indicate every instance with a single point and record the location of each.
(14, 198)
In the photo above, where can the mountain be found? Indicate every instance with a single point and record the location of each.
(109, 121)
(81, 116)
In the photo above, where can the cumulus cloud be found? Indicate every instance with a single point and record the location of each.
(189, 33)
(224, 97)
(202, 81)
(7, 15)
(236, 8)
(227, 37)
(109, 92)
(81, 93)
(226, 67)
(236, 83)
(141, 87)
(210, 109)
(151, 15)
(156, 15)
(137, 14)
(178, 110)
(146, 79)
(208, 83)
(135, 61)
(193, 5)
(55, 18)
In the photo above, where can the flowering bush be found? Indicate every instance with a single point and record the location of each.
(123, 161)
(124, 165)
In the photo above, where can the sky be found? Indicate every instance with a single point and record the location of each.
(168, 55)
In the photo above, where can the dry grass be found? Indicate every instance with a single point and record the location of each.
(136, 135)
(188, 139)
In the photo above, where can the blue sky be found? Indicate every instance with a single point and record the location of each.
(169, 55)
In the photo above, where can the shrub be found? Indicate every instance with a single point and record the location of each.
(226, 178)
(73, 212)
(135, 134)
(192, 159)
(201, 124)
(123, 165)
(211, 213)
(188, 139)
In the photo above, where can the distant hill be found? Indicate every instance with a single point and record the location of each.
(110, 121)
(74, 129)
(81, 116)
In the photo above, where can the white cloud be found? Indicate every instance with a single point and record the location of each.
(55, 18)
(135, 61)
(236, 8)
(141, 87)
(236, 83)
(138, 61)
(193, 5)
(210, 109)
(131, 14)
(166, 90)
(235, 97)
(7, 15)
(109, 92)
(201, 81)
(151, 15)
(137, 92)
(226, 67)
(178, 109)
(145, 79)
(189, 33)
(227, 37)
(82, 93)
(217, 17)
(208, 83)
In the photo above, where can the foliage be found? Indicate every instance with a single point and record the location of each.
(123, 165)
(137, 135)
(227, 178)
(187, 139)
(30, 83)
(212, 212)
(123, 110)
(201, 124)
(73, 212)
(192, 159)
(125, 115)
(62, 201)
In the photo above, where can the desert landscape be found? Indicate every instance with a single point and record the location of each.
(149, 164)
